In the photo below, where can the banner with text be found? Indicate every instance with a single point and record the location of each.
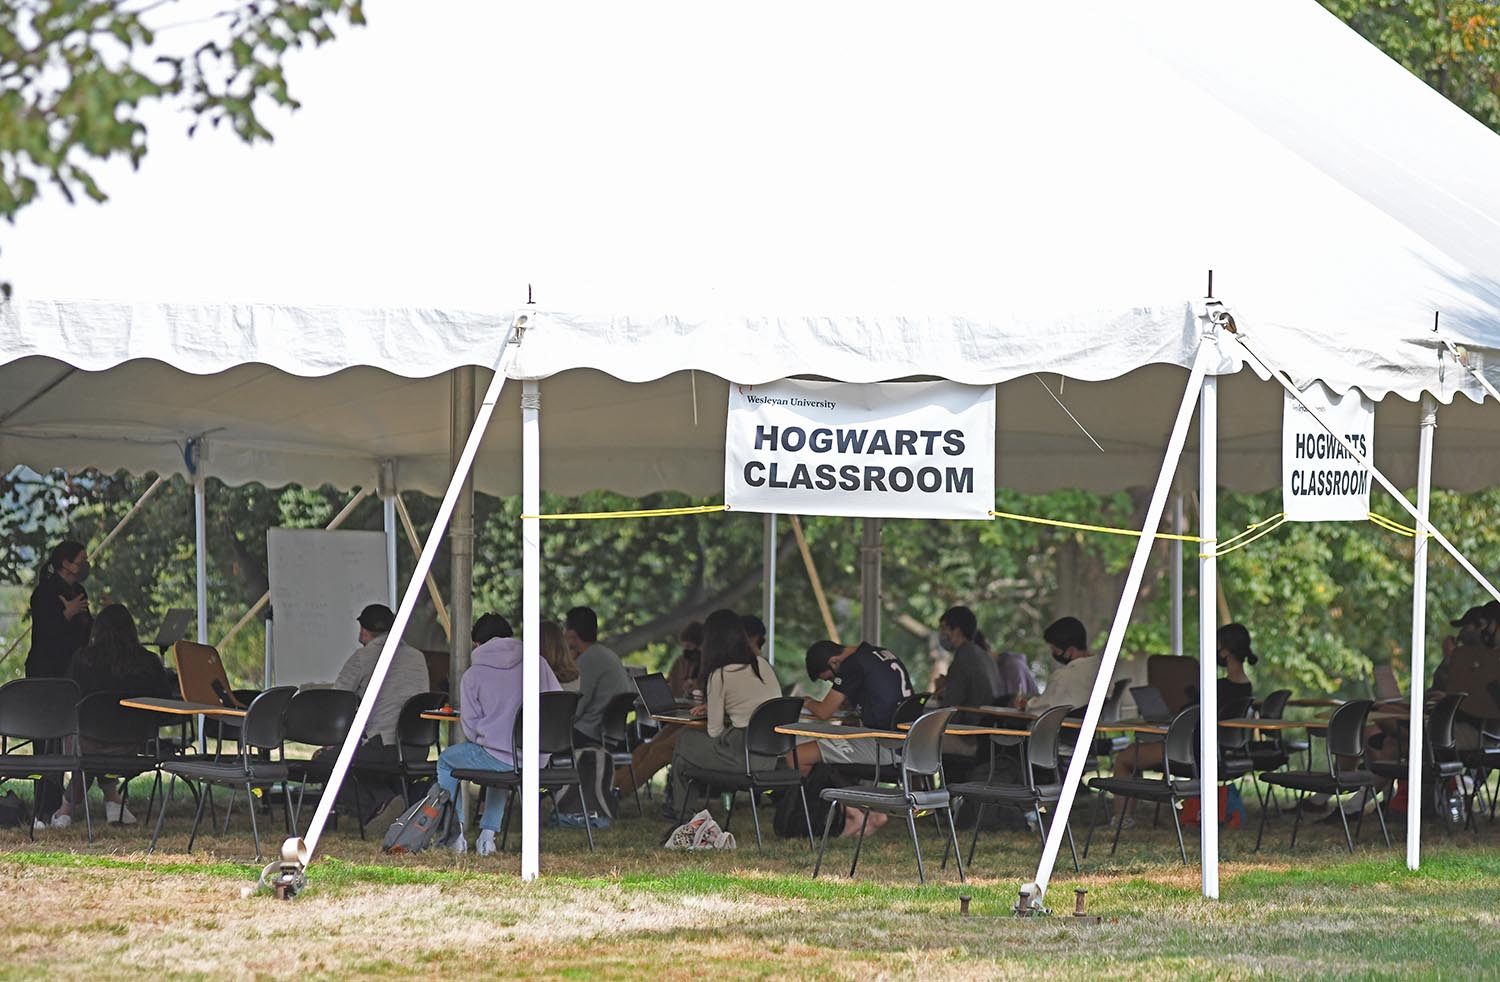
(878, 450)
(1320, 481)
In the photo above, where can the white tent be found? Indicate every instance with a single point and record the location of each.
(855, 191)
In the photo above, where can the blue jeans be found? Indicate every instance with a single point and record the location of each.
(471, 756)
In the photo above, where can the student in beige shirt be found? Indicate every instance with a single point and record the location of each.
(738, 683)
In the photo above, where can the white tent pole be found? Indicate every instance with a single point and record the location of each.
(1428, 426)
(1121, 620)
(1178, 527)
(768, 566)
(1208, 647)
(388, 517)
(531, 627)
(304, 850)
(200, 545)
(1364, 461)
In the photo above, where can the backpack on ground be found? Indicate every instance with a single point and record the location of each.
(430, 819)
(789, 822)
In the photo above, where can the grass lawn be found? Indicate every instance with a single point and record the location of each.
(633, 909)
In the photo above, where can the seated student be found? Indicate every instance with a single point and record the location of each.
(601, 675)
(1234, 691)
(683, 678)
(973, 678)
(865, 677)
(555, 652)
(406, 677)
(1016, 679)
(489, 698)
(738, 683)
(1072, 681)
(114, 660)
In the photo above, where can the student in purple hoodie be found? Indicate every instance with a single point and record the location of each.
(490, 698)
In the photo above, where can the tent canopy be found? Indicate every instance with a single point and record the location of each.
(852, 191)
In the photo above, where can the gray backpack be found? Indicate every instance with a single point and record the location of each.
(429, 820)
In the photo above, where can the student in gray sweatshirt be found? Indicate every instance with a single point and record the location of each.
(601, 675)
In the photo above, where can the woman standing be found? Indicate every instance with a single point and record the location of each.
(60, 619)
(738, 683)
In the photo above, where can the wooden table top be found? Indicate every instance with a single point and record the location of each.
(965, 729)
(823, 730)
(441, 716)
(1134, 726)
(176, 707)
(682, 719)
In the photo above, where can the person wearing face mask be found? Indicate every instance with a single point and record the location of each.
(973, 678)
(60, 618)
(682, 677)
(1072, 679)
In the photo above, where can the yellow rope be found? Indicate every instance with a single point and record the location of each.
(647, 513)
(1391, 525)
(1239, 541)
(1225, 543)
(1089, 528)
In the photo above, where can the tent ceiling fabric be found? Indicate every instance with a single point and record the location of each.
(848, 190)
(598, 431)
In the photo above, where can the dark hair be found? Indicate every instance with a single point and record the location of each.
(819, 655)
(962, 620)
(114, 642)
(693, 633)
(583, 622)
(725, 644)
(1065, 633)
(377, 618)
(981, 640)
(1236, 638)
(489, 627)
(755, 628)
(64, 552)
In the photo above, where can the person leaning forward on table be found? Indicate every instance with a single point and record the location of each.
(864, 677)
(1233, 693)
(738, 683)
(489, 698)
(407, 677)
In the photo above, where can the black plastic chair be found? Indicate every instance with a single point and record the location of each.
(319, 718)
(921, 763)
(1178, 781)
(761, 741)
(102, 720)
(1345, 738)
(39, 711)
(1440, 762)
(561, 770)
(415, 740)
(616, 737)
(1040, 785)
(258, 764)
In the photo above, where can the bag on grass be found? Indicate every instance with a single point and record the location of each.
(789, 822)
(429, 819)
(1231, 809)
(700, 832)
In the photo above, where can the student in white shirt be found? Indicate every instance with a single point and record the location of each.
(1072, 682)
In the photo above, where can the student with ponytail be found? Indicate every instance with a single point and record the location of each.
(60, 618)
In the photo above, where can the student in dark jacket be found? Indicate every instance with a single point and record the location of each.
(114, 660)
(60, 619)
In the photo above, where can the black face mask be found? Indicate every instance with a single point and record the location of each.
(81, 570)
(692, 654)
(1061, 657)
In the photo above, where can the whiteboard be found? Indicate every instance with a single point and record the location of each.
(320, 581)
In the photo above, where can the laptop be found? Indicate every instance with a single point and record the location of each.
(173, 627)
(1150, 705)
(657, 695)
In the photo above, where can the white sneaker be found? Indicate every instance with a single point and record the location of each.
(39, 825)
(485, 844)
(116, 812)
(61, 820)
(460, 844)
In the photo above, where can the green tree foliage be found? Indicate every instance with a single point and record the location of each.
(76, 77)
(1452, 45)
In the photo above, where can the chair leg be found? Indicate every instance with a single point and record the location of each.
(1297, 821)
(229, 809)
(1093, 821)
(1348, 839)
(635, 789)
(1264, 815)
(859, 843)
(755, 816)
(734, 798)
(953, 840)
(1119, 827)
(911, 826)
(974, 839)
(588, 825)
(1072, 847)
(1385, 831)
(807, 816)
(161, 815)
(205, 795)
(827, 824)
(88, 818)
(250, 807)
(1177, 824)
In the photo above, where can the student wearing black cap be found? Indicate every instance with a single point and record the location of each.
(407, 677)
